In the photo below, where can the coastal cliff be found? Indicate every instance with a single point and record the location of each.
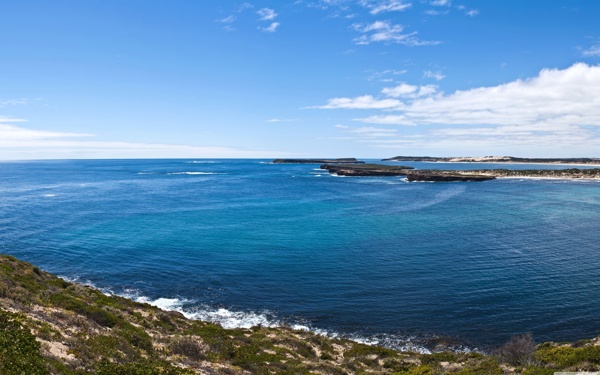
(51, 326)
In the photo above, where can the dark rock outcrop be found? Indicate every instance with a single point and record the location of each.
(366, 169)
(442, 176)
(317, 161)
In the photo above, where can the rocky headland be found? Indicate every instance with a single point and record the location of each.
(446, 176)
(437, 175)
(411, 174)
(317, 161)
(366, 169)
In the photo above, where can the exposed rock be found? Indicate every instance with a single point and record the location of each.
(366, 169)
(316, 161)
(445, 176)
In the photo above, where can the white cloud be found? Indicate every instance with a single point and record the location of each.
(432, 12)
(17, 142)
(243, 7)
(441, 2)
(554, 113)
(10, 133)
(372, 132)
(283, 120)
(385, 31)
(384, 76)
(229, 19)
(400, 90)
(593, 51)
(468, 12)
(361, 102)
(405, 90)
(13, 102)
(437, 75)
(271, 28)
(5, 120)
(555, 97)
(266, 14)
(385, 6)
(338, 126)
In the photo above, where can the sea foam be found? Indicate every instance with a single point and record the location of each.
(192, 173)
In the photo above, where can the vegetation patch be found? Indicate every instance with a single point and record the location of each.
(98, 334)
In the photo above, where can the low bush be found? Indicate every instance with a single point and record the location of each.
(518, 351)
(564, 357)
(19, 352)
(188, 347)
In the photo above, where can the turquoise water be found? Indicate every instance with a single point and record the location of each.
(245, 242)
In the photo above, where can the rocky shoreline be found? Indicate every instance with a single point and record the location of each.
(410, 173)
(366, 169)
(435, 175)
(570, 173)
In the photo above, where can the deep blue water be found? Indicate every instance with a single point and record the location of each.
(245, 242)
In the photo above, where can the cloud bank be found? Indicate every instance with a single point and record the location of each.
(553, 109)
(20, 143)
(553, 98)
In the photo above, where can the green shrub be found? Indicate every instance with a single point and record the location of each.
(419, 370)
(362, 350)
(135, 336)
(485, 366)
(188, 347)
(538, 371)
(98, 315)
(436, 358)
(564, 357)
(19, 352)
(326, 356)
(140, 368)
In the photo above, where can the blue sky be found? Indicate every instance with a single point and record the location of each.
(306, 78)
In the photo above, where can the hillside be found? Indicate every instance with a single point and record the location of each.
(50, 326)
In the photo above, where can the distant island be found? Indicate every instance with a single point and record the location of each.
(435, 175)
(496, 159)
(410, 173)
(317, 161)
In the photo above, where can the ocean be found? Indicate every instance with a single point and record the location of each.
(375, 259)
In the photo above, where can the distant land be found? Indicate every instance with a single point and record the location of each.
(437, 175)
(317, 161)
(357, 168)
(496, 159)
(410, 173)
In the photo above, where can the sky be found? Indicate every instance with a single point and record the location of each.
(307, 78)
